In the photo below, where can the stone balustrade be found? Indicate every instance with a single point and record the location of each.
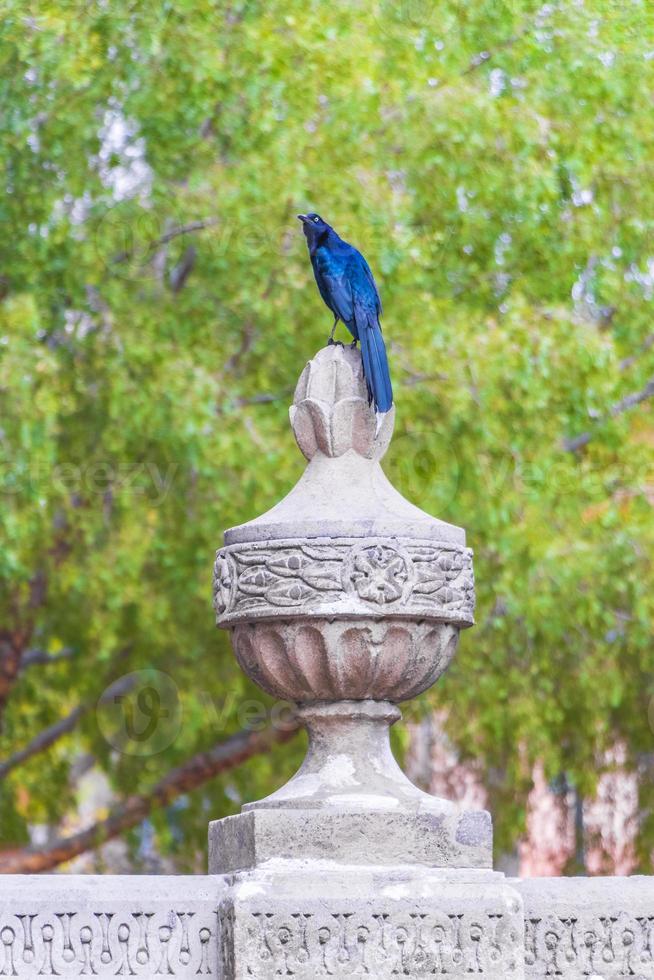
(152, 926)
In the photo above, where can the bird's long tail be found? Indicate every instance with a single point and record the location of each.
(375, 362)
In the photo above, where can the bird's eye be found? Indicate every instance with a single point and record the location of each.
(316, 219)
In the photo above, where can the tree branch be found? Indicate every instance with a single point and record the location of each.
(183, 269)
(54, 732)
(183, 230)
(43, 740)
(168, 236)
(261, 399)
(32, 657)
(195, 772)
(574, 443)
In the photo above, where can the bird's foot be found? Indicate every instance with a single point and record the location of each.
(335, 343)
(353, 345)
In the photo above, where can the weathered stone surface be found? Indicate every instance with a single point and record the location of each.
(580, 928)
(434, 840)
(351, 803)
(345, 598)
(330, 412)
(107, 926)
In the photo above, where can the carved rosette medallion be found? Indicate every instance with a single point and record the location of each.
(398, 578)
(379, 574)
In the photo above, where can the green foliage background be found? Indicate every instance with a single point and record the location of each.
(493, 161)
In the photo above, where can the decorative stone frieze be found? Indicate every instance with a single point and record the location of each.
(108, 926)
(581, 928)
(385, 578)
(380, 925)
(377, 922)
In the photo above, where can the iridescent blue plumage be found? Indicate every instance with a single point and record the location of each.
(348, 288)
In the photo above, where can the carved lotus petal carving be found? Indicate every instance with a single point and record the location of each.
(395, 656)
(334, 373)
(331, 413)
(353, 427)
(303, 429)
(288, 594)
(432, 656)
(263, 653)
(308, 656)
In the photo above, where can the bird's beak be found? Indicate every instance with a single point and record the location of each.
(301, 217)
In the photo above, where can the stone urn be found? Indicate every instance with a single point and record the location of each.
(346, 599)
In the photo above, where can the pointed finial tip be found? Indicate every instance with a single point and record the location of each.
(330, 412)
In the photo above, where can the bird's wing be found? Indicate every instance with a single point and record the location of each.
(335, 287)
(371, 280)
(364, 289)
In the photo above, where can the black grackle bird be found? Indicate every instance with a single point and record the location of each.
(347, 286)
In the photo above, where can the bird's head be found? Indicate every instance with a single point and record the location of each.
(314, 228)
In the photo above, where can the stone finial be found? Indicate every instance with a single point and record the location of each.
(330, 412)
(346, 599)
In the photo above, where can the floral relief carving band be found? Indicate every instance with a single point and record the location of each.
(379, 577)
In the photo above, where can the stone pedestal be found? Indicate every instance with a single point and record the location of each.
(350, 802)
(346, 599)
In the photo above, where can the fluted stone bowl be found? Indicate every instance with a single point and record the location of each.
(331, 661)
